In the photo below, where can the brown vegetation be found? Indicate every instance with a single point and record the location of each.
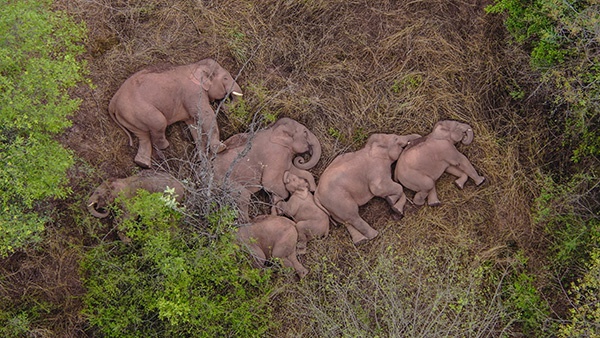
(346, 69)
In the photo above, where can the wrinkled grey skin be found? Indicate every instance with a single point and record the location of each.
(311, 221)
(272, 152)
(149, 101)
(422, 163)
(148, 180)
(270, 236)
(353, 179)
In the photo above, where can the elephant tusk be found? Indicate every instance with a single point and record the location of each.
(237, 93)
(89, 205)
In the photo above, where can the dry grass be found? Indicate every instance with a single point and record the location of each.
(345, 69)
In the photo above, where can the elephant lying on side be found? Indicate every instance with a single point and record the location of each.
(261, 163)
(311, 221)
(423, 162)
(147, 180)
(151, 100)
(270, 236)
(353, 179)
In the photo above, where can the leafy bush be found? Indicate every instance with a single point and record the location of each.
(426, 292)
(170, 282)
(38, 66)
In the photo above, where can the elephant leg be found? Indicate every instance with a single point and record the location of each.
(420, 197)
(357, 236)
(143, 158)
(462, 176)
(432, 198)
(465, 165)
(358, 224)
(293, 262)
(258, 257)
(210, 128)
(302, 228)
(393, 194)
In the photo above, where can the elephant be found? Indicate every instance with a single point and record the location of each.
(270, 236)
(148, 180)
(423, 162)
(259, 161)
(150, 100)
(352, 179)
(311, 221)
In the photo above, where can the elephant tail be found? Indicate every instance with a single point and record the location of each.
(318, 203)
(112, 114)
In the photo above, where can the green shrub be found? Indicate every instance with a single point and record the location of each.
(38, 66)
(171, 282)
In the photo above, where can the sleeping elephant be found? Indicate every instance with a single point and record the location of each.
(127, 187)
(270, 236)
(150, 100)
(311, 221)
(423, 162)
(259, 161)
(353, 179)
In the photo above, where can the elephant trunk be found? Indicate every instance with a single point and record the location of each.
(315, 153)
(92, 204)
(468, 137)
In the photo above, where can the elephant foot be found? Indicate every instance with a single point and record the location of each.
(301, 249)
(434, 204)
(459, 183)
(161, 144)
(397, 216)
(218, 148)
(360, 241)
(143, 161)
(480, 181)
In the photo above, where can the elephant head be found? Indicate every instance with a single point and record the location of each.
(100, 199)
(453, 131)
(299, 140)
(215, 80)
(388, 146)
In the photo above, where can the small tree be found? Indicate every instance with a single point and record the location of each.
(38, 65)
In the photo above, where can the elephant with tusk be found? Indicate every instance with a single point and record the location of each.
(148, 180)
(151, 100)
(422, 163)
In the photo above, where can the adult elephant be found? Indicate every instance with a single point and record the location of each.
(150, 100)
(422, 163)
(353, 179)
(259, 161)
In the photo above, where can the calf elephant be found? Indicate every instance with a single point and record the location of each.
(311, 221)
(353, 179)
(127, 187)
(271, 236)
(150, 100)
(423, 162)
(259, 162)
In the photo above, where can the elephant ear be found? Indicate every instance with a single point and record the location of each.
(202, 76)
(377, 147)
(282, 135)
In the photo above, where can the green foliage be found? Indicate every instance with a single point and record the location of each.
(585, 293)
(425, 292)
(523, 297)
(170, 282)
(564, 210)
(38, 51)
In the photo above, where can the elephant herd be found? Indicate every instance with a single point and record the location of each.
(271, 160)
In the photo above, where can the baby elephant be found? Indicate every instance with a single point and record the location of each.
(271, 236)
(147, 180)
(422, 163)
(311, 221)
